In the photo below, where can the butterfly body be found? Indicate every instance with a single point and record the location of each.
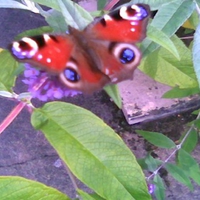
(86, 60)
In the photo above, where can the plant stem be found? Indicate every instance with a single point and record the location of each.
(174, 152)
(111, 4)
(13, 114)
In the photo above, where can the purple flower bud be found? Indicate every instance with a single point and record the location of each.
(151, 188)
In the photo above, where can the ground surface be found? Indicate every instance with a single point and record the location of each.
(25, 152)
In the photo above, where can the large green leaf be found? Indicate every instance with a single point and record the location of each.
(92, 151)
(86, 196)
(165, 68)
(157, 139)
(12, 4)
(55, 19)
(168, 19)
(162, 39)
(177, 92)
(8, 68)
(196, 53)
(194, 20)
(73, 14)
(155, 4)
(18, 188)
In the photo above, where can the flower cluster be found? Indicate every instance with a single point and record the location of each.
(45, 87)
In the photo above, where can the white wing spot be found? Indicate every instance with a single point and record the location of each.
(49, 60)
(31, 42)
(114, 80)
(123, 13)
(107, 18)
(135, 7)
(31, 53)
(46, 37)
(39, 57)
(133, 29)
(133, 23)
(16, 46)
(107, 71)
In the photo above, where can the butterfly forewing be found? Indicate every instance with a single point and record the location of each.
(127, 24)
(51, 52)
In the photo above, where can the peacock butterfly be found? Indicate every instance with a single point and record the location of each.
(87, 60)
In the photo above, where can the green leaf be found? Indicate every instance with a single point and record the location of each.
(160, 187)
(49, 3)
(168, 19)
(191, 141)
(177, 92)
(6, 94)
(18, 188)
(194, 19)
(91, 196)
(162, 39)
(74, 14)
(157, 139)
(113, 92)
(145, 165)
(165, 68)
(98, 13)
(196, 112)
(196, 52)
(85, 196)
(178, 174)
(36, 31)
(92, 151)
(55, 19)
(20, 69)
(12, 4)
(101, 4)
(189, 164)
(155, 5)
(197, 121)
(8, 67)
(152, 163)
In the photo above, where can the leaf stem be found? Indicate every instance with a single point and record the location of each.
(72, 178)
